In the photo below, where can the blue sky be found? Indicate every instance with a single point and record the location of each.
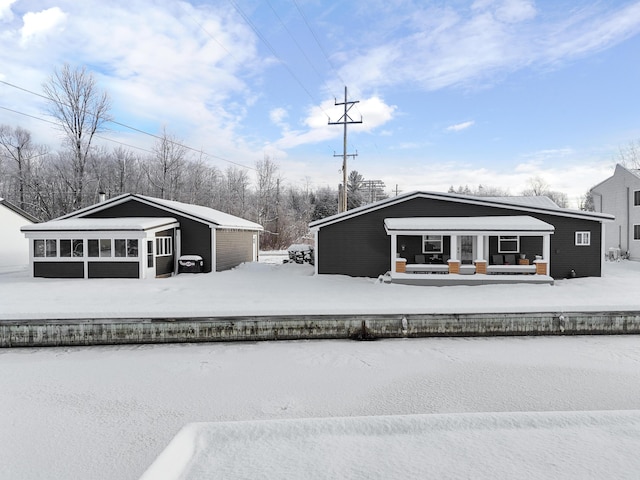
(450, 92)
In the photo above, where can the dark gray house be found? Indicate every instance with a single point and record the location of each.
(426, 233)
(135, 236)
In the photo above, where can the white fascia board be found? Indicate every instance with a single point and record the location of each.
(520, 233)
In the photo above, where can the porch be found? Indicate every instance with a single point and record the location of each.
(469, 250)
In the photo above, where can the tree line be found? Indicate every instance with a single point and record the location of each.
(50, 183)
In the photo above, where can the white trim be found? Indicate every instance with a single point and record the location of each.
(508, 238)
(213, 249)
(433, 251)
(315, 251)
(583, 234)
(394, 255)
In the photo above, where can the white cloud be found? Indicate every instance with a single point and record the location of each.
(6, 14)
(39, 24)
(277, 116)
(373, 112)
(471, 47)
(460, 126)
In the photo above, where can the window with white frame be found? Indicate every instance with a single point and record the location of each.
(636, 198)
(508, 244)
(71, 247)
(432, 244)
(164, 246)
(636, 232)
(583, 238)
(45, 248)
(125, 248)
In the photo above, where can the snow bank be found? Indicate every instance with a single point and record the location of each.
(567, 445)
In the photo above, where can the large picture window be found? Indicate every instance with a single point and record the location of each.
(432, 244)
(583, 238)
(508, 244)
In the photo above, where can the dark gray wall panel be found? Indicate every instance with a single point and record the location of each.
(114, 270)
(58, 269)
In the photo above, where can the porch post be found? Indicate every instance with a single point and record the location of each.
(546, 248)
(394, 249)
(480, 247)
(453, 254)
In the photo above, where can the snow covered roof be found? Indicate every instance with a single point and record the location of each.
(101, 224)
(521, 223)
(197, 212)
(17, 210)
(521, 204)
(532, 201)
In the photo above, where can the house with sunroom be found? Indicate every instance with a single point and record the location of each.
(14, 248)
(136, 236)
(446, 238)
(619, 195)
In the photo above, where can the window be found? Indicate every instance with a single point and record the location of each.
(432, 244)
(132, 248)
(508, 244)
(583, 238)
(636, 198)
(164, 246)
(636, 232)
(69, 248)
(125, 248)
(150, 253)
(99, 248)
(45, 248)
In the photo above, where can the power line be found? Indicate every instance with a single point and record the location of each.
(157, 137)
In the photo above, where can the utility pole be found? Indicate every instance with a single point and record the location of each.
(345, 119)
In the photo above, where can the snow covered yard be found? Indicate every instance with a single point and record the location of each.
(108, 412)
(271, 288)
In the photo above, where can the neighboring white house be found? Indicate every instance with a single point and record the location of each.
(619, 195)
(14, 247)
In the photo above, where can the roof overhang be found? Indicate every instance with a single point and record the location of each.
(121, 224)
(501, 225)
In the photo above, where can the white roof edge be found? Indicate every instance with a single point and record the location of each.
(102, 224)
(506, 224)
(97, 207)
(562, 212)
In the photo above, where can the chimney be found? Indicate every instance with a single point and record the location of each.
(102, 196)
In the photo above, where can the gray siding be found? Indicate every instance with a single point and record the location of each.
(360, 247)
(114, 270)
(615, 196)
(58, 269)
(233, 247)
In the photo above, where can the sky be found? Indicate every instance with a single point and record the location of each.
(491, 92)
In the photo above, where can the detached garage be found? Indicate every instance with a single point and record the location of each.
(134, 236)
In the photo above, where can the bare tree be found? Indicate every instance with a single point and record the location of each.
(16, 145)
(82, 110)
(539, 187)
(167, 166)
(629, 155)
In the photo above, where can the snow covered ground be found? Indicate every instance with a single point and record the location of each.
(109, 412)
(270, 288)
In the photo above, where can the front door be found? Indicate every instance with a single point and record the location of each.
(465, 244)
